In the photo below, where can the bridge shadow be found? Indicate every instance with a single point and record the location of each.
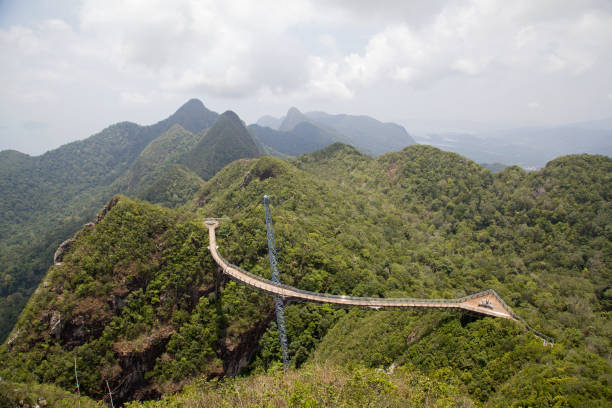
(469, 317)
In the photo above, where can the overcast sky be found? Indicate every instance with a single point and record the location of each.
(70, 68)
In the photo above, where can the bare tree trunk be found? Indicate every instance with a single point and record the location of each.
(110, 394)
(76, 376)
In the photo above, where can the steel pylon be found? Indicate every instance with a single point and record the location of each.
(279, 305)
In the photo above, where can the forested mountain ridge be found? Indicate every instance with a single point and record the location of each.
(166, 149)
(227, 140)
(298, 133)
(415, 223)
(49, 197)
(175, 165)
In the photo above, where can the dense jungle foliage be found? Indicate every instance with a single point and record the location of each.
(320, 386)
(45, 395)
(139, 302)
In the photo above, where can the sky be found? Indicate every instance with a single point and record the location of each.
(70, 68)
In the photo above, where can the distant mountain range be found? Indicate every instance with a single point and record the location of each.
(528, 147)
(297, 133)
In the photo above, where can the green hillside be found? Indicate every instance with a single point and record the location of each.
(36, 395)
(320, 386)
(155, 158)
(227, 140)
(173, 167)
(49, 197)
(175, 186)
(140, 303)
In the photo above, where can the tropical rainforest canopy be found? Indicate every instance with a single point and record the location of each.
(136, 301)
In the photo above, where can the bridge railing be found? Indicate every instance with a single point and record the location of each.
(374, 301)
(307, 293)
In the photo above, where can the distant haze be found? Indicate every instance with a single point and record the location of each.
(71, 68)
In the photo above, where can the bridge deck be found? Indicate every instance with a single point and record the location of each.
(487, 302)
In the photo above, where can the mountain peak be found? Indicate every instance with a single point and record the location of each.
(194, 116)
(226, 140)
(293, 111)
(293, 118)
(231, 115)
(192, 105)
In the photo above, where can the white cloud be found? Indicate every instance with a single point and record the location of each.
(467, 66)
(474, 37)
(237, 48)
(22, 38)
(37, 59)
(193, 45)
(134, 98)
(126, 57)
(533, 105)
(325, 82)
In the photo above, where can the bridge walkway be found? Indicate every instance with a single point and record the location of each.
(487, 302)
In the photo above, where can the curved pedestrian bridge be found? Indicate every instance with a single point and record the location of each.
(486, 303)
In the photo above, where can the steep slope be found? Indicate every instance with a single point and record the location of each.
(227, 140)
(175, 186)
(128, 300)
(157, 176)
(59, 175)
(163, 151)
(192, 116)
(50, 196)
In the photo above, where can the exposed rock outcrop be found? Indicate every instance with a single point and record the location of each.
(113, 201)
(55, 324)
(64, 247)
